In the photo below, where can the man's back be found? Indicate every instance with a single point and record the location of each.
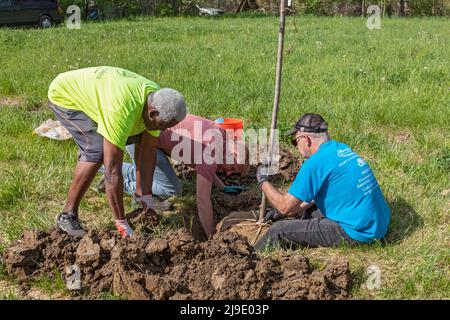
(112, 97)
(190, 138)
(344, 188)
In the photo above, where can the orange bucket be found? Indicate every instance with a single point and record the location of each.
(230, 123)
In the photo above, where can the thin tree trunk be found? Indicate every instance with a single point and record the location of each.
(276, 99)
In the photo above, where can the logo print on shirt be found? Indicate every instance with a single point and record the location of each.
(361, 162)
(127, 74)
(342, 153)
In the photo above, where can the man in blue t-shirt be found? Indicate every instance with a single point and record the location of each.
(335, 194)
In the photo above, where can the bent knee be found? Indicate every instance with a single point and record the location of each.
(279, 226)
(167, 191)
(177, 189)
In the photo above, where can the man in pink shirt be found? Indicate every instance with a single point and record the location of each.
(202, 145)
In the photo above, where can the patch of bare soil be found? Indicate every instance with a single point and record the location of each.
(401, 137)
(10, 101)
(175, 266)
(250, 200)
(224, 203)
(289, 166)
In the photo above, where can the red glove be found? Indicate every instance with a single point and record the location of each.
(124, 228)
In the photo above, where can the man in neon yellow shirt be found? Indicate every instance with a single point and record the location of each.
(106, 108)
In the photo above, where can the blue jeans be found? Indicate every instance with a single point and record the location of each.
(165, 180)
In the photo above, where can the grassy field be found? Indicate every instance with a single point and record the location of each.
(385, 92)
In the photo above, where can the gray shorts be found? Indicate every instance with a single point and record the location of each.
(84, 131)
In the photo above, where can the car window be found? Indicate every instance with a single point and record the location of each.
(5, 3)
(22, 2)
(25, 2)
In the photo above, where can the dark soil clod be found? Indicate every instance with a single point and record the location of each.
(175, 266)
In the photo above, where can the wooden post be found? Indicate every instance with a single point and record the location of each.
(276, 98)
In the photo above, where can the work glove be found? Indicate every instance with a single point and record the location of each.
(262, 174)
(145, 202)
(124, 228)
(233, 189)
(146, 211)
(272, 215)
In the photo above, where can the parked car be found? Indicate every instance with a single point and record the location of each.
(45, 13)
(209, 11)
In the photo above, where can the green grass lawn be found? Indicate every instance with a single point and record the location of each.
(384, 92)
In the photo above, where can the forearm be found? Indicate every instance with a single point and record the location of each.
(145, 164)
(204, 205)
(274, 196)
(137, 150)
(280, 202)
(146, 171)
(114, 190)
(112, 159)
(205, 214)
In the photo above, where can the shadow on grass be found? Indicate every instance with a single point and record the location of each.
(404, 221)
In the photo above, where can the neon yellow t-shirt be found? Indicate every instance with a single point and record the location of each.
(112, 97)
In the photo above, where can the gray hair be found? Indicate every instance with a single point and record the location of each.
(321, 136)
(169, 103)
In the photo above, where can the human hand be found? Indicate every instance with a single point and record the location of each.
(272, 215)
(262, 174)
(124, 228)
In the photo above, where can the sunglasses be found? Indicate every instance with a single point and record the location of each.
(295, 141)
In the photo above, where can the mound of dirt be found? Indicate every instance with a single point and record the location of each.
(289, 166)
(224, 203)
(174, 266)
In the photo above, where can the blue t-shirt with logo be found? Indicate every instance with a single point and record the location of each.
(345, 190)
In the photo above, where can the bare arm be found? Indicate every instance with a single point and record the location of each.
(145, 158)
(287, 204)
(112, 159)
(204, 205)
